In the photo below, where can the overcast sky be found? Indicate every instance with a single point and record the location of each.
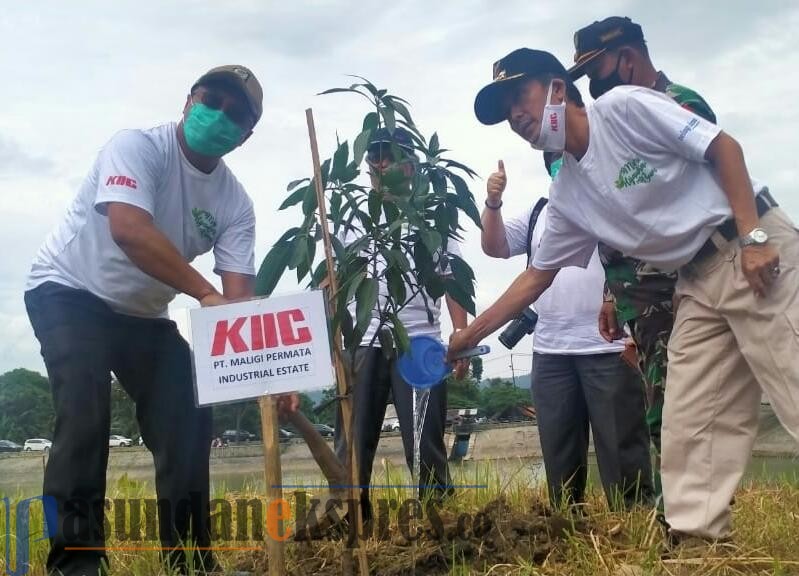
(74, 73)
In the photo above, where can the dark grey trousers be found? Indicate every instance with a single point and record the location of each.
(375, 377)
(600, 391)
(82, 342)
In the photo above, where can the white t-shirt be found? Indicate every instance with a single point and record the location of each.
(414, 315)
(196, 211)
(643, 186)
(568, 310)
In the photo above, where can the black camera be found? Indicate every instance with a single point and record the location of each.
(518, 328)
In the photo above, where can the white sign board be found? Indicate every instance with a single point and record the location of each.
(265, 346)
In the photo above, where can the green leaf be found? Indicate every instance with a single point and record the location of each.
(294, 183)
(335, 210)
(454, 289)
(461, 187)
(460, 269)
(337, 90)
(340, 161)
(304, 267)
(398, 259)
(361, 145)
(431, 239)
(288, 235)
(309, 203)
(396, 285)
(472, 212)
(389, 118)
(441, 217)
(299, 251)
(352, 285)
(434, 286)
(338, 249)
(294, 198)
(366, 300)
(402, 109)
(375, 204)
(371, 121)
(386, 342)
(350, 173)
(271, 270)
(347, 329)
(439, 183)
(421, 184)
(434, 144)
(319, 274)
(400, 334)
(325, 169)
(452, 164)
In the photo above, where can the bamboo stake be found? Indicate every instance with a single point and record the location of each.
(342, 376)
(274, 479)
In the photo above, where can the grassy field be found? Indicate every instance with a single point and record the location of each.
(505, 528)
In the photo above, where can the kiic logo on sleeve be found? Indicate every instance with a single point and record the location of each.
(636, 171)
(205, 222)
(126, 181)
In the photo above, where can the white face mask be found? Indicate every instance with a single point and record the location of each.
(552, 134)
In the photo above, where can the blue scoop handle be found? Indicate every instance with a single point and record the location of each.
(476, 351)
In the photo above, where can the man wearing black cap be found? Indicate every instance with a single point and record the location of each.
(97, 298)
(659, 183)
(377, 377)
(613, 52)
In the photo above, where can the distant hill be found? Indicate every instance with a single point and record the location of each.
(522, 380)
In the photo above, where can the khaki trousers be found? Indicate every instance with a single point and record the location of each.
(726, 347)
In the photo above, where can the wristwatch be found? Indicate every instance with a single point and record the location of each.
(757, 237)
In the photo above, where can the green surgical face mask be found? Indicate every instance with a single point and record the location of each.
(554, 168)
(210, 132)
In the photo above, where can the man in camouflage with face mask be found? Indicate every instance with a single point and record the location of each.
(613, 52)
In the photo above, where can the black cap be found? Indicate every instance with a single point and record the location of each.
(401, 137)
(520, 64)
(596, 39)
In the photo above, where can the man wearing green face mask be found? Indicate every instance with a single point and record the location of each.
(579, 381)
(97, 298)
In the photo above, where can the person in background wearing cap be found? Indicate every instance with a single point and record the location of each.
(377, 377)
(659, 183)
(97, 298)
(613, 52)
(579, 380)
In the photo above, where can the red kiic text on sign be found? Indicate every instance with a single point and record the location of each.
(271, 330)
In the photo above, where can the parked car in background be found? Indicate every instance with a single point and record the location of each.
(237, 436)
(37, 445)
(391, 425)
(285, 435)
(116, 440)
(9, 446)
(324, 430)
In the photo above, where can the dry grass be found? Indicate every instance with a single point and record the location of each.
(524, 539)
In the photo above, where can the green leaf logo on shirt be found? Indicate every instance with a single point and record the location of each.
(206, 223)
(636, 171)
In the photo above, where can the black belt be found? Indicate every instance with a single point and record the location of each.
(729, 231)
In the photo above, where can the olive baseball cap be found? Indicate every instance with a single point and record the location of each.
(597, 38)
(241, 78)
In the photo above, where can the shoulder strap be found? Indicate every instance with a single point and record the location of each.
(539, 206)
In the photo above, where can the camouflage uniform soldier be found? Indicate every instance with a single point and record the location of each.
(613, 53)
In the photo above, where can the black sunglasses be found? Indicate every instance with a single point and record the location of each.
(236, 110)
(385, 151)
